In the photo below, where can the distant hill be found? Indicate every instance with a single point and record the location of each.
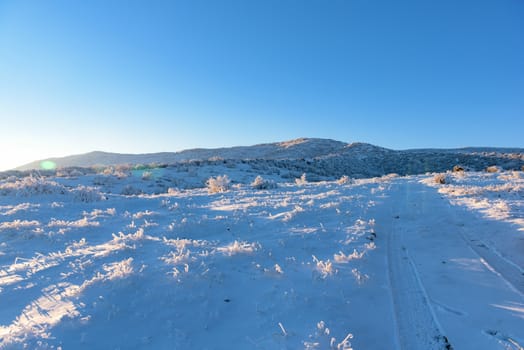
(322, 158)
(294, 149)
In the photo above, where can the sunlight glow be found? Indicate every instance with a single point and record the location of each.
(47, 165)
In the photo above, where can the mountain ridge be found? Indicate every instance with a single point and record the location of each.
(328, 156)
(292, 149)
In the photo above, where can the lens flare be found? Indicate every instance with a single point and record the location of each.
(48, 165)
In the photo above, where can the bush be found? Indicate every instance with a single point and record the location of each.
(262, 184)
(87, 194)
(31, 185)
(344, 180)
(218, 184)
(441, 178)
(493, 169)
(173, 191)
(120, 174)
(302, 180)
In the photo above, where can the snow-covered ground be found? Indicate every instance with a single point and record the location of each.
(383, 263)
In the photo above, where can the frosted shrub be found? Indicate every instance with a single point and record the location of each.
(31, 185)
(461, 170)
(118, 269)
(441, 178)
(120, 174)
(325, 268)
(239, 248)
(108, 171)
(173, 191)
(87, 194)
(218, 184)
(263, 184)
(343, 258)
(493, 169)
(344, 180)
(302, 180)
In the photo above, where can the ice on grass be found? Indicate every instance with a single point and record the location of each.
(304, 264)
(239, 247)
(325, 268)
(18, 224)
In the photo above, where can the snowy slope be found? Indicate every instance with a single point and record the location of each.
(325, 159)
(294, 149)
(382, 263)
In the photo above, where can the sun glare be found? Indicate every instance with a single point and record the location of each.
(11, 158)
(47, 165)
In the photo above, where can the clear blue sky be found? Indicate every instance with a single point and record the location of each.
(147, 76)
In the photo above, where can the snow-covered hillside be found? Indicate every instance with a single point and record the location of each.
(130, 261)
(294, 149)
(321, 158)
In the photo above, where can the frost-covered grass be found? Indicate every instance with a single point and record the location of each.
(35, 185)
(239, 248)
(32, 185)
(238, 256)
(18, 224)
(251, 266)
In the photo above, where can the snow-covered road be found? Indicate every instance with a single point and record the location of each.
(447, 287)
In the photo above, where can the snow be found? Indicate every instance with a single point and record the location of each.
(394, 262)
(497, 196)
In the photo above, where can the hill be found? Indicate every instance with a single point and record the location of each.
(319, 158)
(294, 149)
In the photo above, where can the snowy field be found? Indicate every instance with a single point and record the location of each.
(104, 262)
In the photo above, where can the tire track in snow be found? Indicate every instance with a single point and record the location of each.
(452, 261)
(416, 323)
(418, 327)
(494, 261)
